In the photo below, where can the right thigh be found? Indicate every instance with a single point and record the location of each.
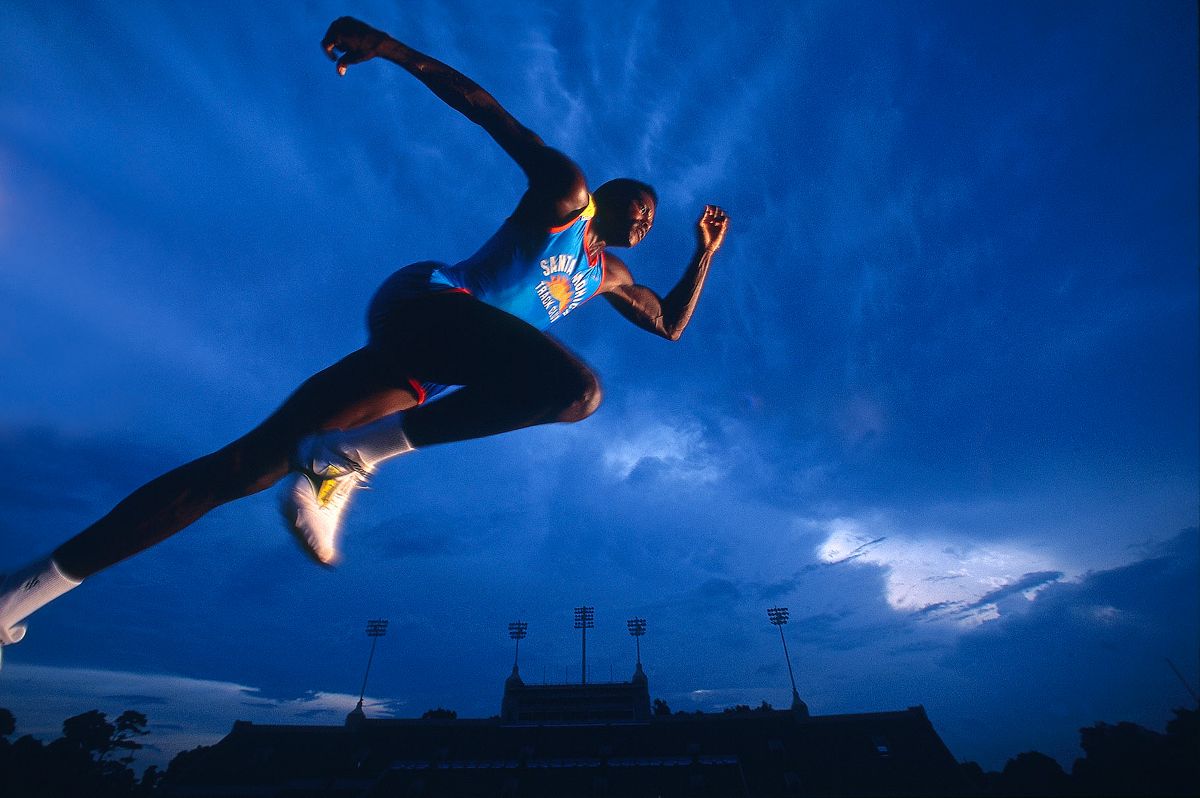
(356, 390)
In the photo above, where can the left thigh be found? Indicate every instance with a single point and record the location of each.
(454, 339)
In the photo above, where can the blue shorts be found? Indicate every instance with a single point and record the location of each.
(406, 284)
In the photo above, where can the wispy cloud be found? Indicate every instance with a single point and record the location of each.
(672, 451)
(935, 577)
(568, 117)
(716, 699)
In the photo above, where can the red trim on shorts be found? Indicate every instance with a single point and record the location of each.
(419, 389)
(449, 290)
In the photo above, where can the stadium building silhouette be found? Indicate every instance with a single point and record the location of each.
(583, 739)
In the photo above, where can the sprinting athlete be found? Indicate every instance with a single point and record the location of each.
(476, 325)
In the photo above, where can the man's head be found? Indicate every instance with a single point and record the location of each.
(624, 211)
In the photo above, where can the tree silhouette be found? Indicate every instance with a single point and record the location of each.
(1033, 773)
(89, 732)
(150, 780)
(130, 725)
(439, 714)
(1182, 744)
(186, 765)
(90, 759)
(1127, 759)
(1120, 759)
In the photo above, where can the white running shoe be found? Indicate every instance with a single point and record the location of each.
(316, 493)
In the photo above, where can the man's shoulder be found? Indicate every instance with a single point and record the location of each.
(537, 219)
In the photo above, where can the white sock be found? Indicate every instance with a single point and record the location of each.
(27, 590)
(372, 443)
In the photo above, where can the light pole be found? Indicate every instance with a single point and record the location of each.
(375, 630)
(637, 628)
(517, 631)
(584, 619)
(778, 617)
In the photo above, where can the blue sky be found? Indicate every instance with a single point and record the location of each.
(940, 397)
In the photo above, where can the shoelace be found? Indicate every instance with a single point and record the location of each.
(338, 460)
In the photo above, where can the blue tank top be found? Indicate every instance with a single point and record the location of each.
(538, 276)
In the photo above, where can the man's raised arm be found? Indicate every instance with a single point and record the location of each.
(553, 177)
(667, 316)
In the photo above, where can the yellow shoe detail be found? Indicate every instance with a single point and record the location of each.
(327, 489)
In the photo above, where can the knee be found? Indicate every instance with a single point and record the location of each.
(580, 397)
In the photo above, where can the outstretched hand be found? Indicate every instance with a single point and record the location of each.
(711, 228)
(349, 41)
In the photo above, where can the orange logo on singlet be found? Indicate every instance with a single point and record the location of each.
(560, 288)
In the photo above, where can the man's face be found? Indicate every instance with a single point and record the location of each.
(640, 215)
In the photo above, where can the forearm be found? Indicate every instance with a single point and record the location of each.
(669, 316)
(680, 303)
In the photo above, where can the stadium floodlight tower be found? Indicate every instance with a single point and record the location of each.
(778, 617)
(517, 631)
(637, 628)
(375, 630)
(585, 619)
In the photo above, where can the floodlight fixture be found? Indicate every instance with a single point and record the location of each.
(778, 616)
